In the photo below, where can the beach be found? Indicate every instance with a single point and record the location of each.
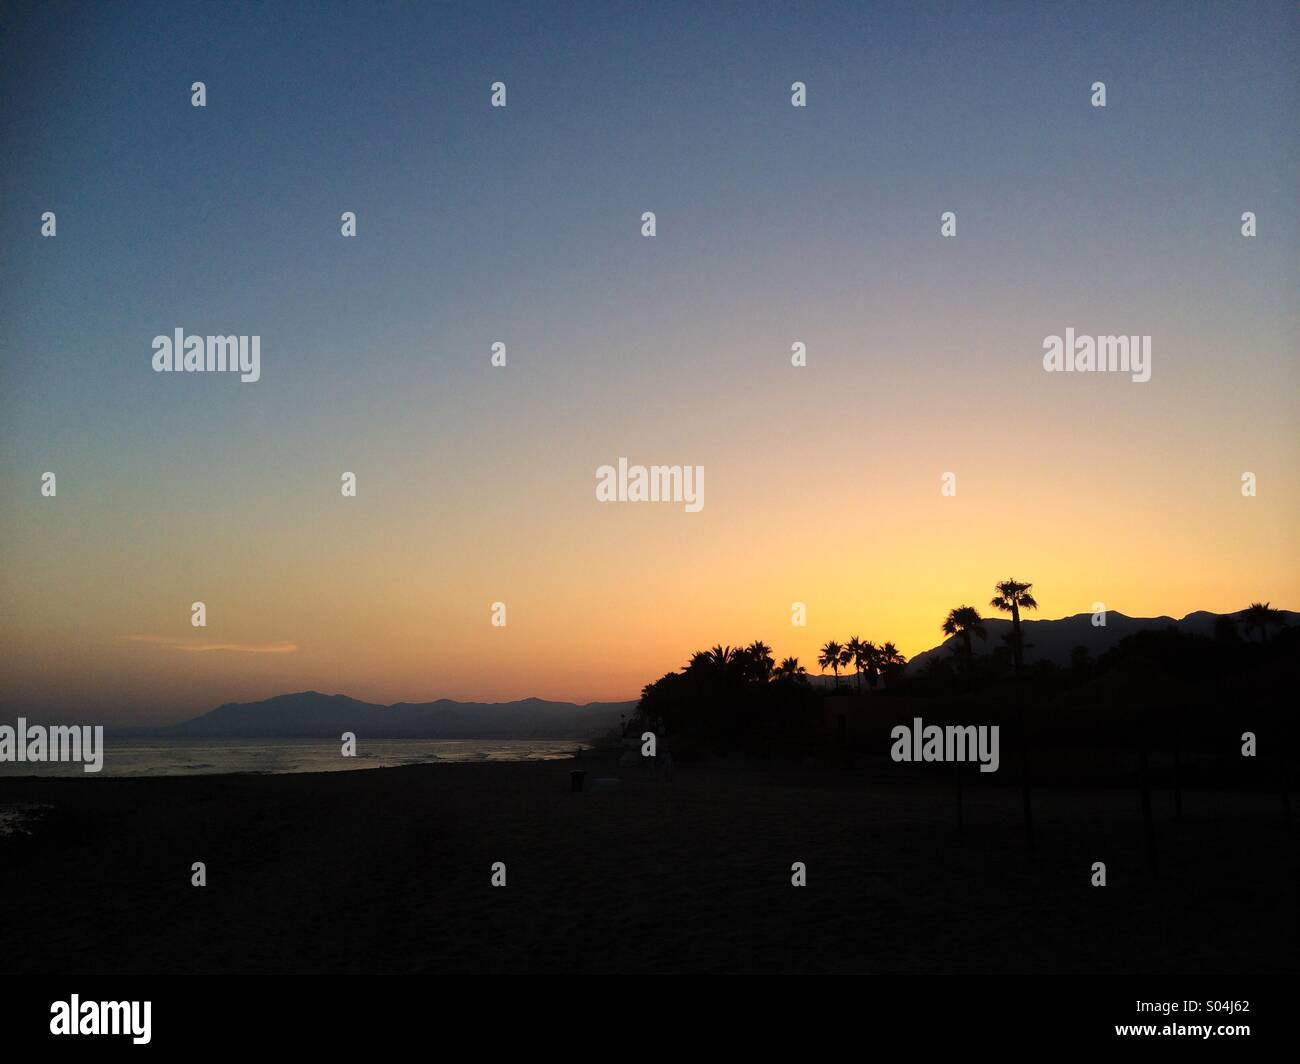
(389, 870)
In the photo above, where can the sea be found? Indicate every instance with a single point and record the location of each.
(201, 757)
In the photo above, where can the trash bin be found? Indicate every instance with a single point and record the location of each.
(575, 780)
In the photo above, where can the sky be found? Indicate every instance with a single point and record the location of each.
(774, 225)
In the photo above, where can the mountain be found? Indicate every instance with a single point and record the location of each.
(312, 715)
(1054, 640)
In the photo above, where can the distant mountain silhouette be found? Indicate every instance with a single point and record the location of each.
(1054, 640)
(312, 715)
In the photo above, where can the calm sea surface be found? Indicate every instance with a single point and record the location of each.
(187, 757)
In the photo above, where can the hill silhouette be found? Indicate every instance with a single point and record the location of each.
(1054, 641)
(312, 715)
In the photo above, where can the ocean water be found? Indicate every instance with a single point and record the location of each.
(189, 757)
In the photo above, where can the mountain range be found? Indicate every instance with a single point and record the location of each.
(312, 715)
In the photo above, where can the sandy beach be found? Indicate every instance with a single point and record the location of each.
(389, 870)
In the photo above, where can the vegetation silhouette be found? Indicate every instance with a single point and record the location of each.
(1161, 707)
(1013, 596)
(965, 620)
(1258, 616)
(833, 655)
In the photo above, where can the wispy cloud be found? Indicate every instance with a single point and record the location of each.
(200, 647)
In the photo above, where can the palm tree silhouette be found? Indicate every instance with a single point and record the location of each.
(887, 656)
(718, 660)
(790, 669)
(1011, 598)
(760, 660)
(858, 655)
(965, 620)
(1259, 615)
(871, 656)
(832, 657)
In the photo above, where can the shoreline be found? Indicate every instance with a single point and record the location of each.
(183, 759)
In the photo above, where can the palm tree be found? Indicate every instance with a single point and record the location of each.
(857, 652)
(1259, 615)
(718, 660)
(760, 660)
(790, 669)
(1011, 598)
(965, 620)
(871, 659)
(888, 657)
(869, 655)
(832, 657)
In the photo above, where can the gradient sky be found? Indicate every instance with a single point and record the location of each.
(522, 225)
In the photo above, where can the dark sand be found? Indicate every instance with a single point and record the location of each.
(388, 870)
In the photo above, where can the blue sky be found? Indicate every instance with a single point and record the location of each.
(522, 225)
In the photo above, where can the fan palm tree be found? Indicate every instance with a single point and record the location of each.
(1261, 616)
(790, 669)
(871, 663)
(888, 657)
(965, 621)
(1011, 598)
(857, 652)
(832, 657)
